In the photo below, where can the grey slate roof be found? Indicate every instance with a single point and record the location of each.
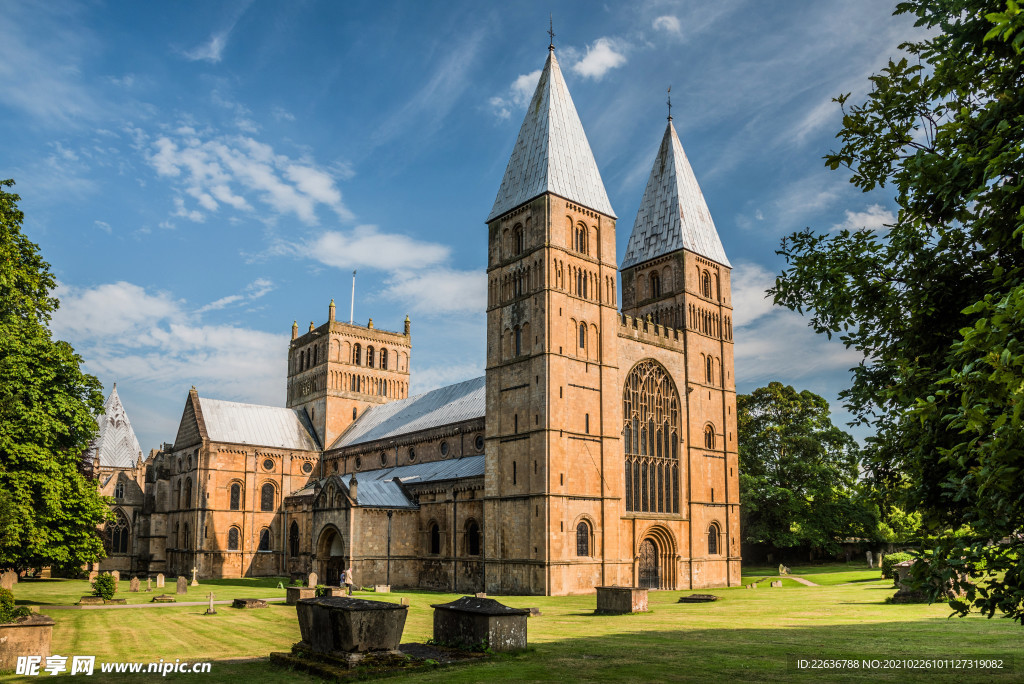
(551, 153)
(443, 406)
(673, 214)
(271, 426)
(378, 489)
(116, 444)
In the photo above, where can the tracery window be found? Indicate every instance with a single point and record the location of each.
(233, 536)
(267, 497)
(713, 535)
(650, 409)
(236, 496)
(705, 284)
(583, 539)
(119, 490)
(118, 533)
(581, 238)
(709, 437)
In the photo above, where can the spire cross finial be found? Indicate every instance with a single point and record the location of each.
(669, 103)
(551, 32)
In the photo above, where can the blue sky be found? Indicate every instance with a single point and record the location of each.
(199, 175)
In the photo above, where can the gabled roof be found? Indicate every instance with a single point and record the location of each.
(551, 153)
(444, 406)
(673, 214)
(116, 445)
(269, 426)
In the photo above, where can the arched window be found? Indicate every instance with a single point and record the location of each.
(583, 335)
(655, 285)
(264, 539)
(384, 359)
(233, 536)
(435, 539)
(519, 340)
(119, 490)
(713, 544)
(583, 539)
(177, 535)
(188, 492)
(651, 420)
(316, 355)
(186, 539)
(705, 284)
(710, 369)
(293, 539)
(357, 354)
(267, 497)
(517, 240)
(118, 534)
(236, 496)
(581, 238)
(472, 538)
(369, 357)
(709, 436)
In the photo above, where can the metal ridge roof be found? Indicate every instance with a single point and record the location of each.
(443, 406)
(673, 214)
(552, 153)
(270, 426)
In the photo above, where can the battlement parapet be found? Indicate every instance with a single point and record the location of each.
(644, 330)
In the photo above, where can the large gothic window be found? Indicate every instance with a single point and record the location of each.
(650, 409)
(117, 534)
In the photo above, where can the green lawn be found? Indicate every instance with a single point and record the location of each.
(835, 573)
(57, 592)
(745, 636)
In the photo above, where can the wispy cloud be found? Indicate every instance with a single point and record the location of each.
(668, 23)
(104, 226)
(210, 51)
(253, 290)
(366, 246)
(517, 96)
(602, 56)
(875, 217)
(440, 290)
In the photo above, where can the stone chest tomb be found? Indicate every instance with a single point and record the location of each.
(341, 626)
(472, 622)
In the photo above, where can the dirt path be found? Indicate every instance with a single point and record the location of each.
(43, 609)
(801, 580)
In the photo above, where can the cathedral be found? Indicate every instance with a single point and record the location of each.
(599, 448)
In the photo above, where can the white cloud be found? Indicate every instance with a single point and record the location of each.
(233, 170)
(210, 51)
(282, 114)
(749, 301)
(517, 96)
(253, 290)
(427, 379)
(875, 217)
(440, 290)
(604, 55)
(104, 226)
(668, 23)
(366, 246)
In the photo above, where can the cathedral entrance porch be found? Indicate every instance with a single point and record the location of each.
(330, 556)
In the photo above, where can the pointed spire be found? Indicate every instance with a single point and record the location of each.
(673, 214)
(115, 445)
(551, 153)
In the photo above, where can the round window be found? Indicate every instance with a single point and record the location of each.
(479, 442)
(383, 459)
(268, 464)
(412, 454)
(444, 448)
(359, 463)
(307, 468)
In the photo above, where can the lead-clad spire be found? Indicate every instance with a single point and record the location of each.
(673, 214)
(116, 444)
(551, 153)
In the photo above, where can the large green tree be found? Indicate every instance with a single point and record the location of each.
(46, 416)
(936, 301)
(798, 472)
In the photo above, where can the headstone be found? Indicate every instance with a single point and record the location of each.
(871, 560)
(535, 611)
(160, 580)
(134, 585)
(382, 588)
(195, 582)
(481, 594)
(149, 584)
(782, 569)
(164, 598)
(777, 583)
(92, 576)
(881, 556)
(313, 579)
(8, 580)
(116, 574)
(182, 584)
(211, 610)
(248, 603)
(404, 601)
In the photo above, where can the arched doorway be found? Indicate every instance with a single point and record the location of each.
(648, 576)
(330, 554)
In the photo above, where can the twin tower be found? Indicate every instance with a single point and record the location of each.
(610, 434)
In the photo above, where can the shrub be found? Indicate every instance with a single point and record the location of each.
(104, 587)
(8, 611)
(321, 590)
(890, 560)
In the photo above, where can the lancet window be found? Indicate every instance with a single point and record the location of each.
(651, 413)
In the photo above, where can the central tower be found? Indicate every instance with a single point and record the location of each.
(553, 457)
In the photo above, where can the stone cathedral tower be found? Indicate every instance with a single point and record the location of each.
(552, 408)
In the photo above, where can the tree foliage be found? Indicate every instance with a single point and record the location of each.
(798, 472)
(46, 416)
(936, 301)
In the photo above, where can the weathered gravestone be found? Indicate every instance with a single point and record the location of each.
(248, 603)
(149, 584)
(134, 585)
(195, 582)
(8, 580)
(182, 584)
(312, 580)
(116, 574)
(160, 580)
(777, 583)
(871, 563)
(211, 610)
(93, 575)
(346, 628)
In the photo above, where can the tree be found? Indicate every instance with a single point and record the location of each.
(46, 416)
(936, 301)
(798, 472)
